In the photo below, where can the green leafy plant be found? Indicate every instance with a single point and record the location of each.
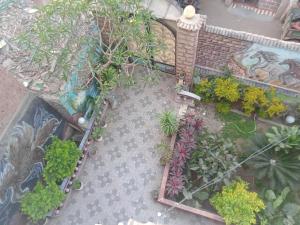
(292, 143)
(76, 184)
(213, 157)
(237, 205)
(279, 211)
(275, 168)
(97, 133)
(167, 153)
(205, 89)
(109, 77)
(223, 107)
(227, 89)
(38, 203)
(254, 98)
(61, 159)
(265, 103)
(168, 123)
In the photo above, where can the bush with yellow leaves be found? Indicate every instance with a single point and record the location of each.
(266, 103)
(254, 99)
(227, 89)
(237, 205)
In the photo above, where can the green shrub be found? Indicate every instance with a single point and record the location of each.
(223, 107)
(227, 89)
(97, 132)
(205, 89)
(237, 205)
(168, 123)
(264, 102)
(61, 159)
(253, 99)
(213, 157)
(38, 203)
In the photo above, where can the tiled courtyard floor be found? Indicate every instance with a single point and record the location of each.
(120, 178)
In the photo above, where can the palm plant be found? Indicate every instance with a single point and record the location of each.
(291, 136)
(276, 168)
(168, 123)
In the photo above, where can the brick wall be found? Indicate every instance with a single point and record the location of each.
(215, 50)
(271, 5)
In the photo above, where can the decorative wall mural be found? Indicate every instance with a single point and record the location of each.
(274, 66)
(22, 153)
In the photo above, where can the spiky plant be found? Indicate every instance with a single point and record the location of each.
(168, 123)
(276, 168)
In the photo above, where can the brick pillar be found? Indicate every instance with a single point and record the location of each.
(188, 27)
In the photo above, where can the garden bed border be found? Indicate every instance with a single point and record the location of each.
(65, 184)
(161, 197)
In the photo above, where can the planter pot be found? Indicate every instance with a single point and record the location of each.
(100, 139)
(73, 176)
(78, 188)
(67, 190)
(79, 162)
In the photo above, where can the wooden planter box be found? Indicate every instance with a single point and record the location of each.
(173, 204)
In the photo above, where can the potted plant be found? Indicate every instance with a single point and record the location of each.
(97, 133)
(38, 203)
(77, 185)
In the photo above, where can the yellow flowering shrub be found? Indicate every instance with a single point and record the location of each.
(237, 205)
(205, 90)
(275, 107)
(254, 97)
(227, 89)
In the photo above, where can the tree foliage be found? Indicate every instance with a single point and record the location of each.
(120, 29)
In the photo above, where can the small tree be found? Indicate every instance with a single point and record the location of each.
(120, 28)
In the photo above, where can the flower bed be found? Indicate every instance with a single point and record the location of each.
(63, 162)
(229, 191)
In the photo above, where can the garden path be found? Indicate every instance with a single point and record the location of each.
(119, 179)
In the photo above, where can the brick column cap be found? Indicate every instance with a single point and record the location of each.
(191, 24)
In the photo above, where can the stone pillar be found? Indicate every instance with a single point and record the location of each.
(188, 27)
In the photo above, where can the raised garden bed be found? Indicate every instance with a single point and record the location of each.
(164, 200)
(207, 112)
(83, 146)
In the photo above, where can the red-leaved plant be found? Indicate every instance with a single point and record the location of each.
(190, 127)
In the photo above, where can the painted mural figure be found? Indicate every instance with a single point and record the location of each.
(293, 72)
(264, 59)
(22, 162)
(274, 66)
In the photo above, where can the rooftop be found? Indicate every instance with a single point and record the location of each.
(240, 19)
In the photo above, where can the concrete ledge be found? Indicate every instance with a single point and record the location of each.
(260, 39)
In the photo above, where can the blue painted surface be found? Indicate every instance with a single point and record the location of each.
(74, 97)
